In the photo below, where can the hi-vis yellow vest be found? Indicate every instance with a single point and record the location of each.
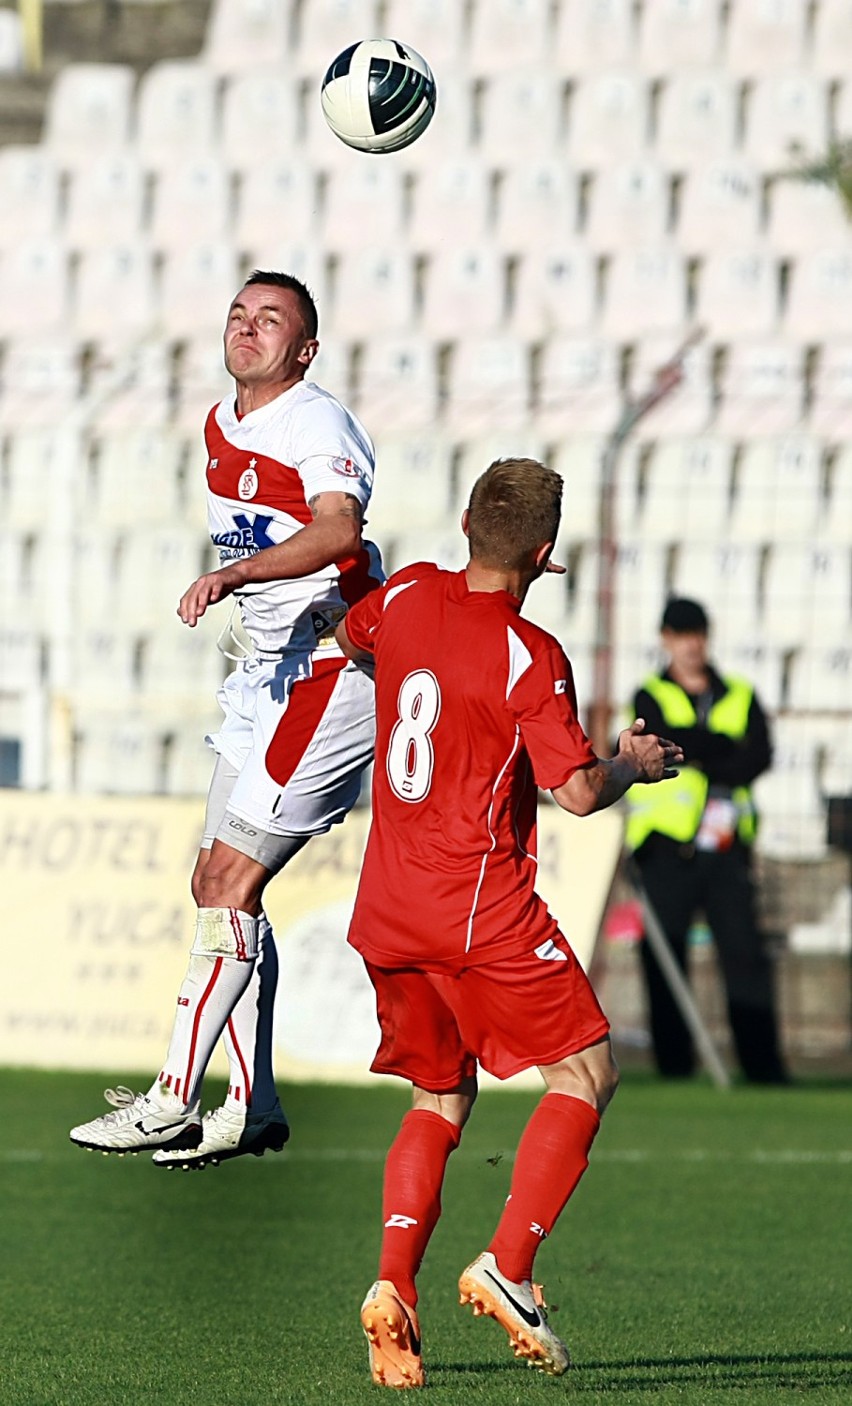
(675, 807)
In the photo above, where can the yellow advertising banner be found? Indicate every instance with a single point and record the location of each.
(99, 921)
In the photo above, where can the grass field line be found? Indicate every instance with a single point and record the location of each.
(780, 1156)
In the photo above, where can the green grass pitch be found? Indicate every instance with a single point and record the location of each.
(705, 1258)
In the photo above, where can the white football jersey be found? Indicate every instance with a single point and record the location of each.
(262, 471)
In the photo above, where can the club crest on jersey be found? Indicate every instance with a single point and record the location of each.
(346, 467)
(248, 484)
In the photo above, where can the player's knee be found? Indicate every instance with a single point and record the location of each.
(229, 881)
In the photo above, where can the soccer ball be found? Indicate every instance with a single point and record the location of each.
(378, 95)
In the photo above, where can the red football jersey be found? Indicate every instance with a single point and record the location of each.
(475, 708)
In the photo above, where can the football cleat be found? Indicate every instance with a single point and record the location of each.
(393, 1336)
(138, 1125)
(229, 1132)
(520, 1309)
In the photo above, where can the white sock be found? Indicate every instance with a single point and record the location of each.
(213, 985)
(248, 1033)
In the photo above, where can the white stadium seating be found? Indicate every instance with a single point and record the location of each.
(592, 35)
(89, 109)
(246, 35)
(674, 35)
(176, 111)
(30, 193)
(509, 34)
(259, 120)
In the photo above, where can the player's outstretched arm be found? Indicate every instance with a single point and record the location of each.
(334, 533)
(640, 757)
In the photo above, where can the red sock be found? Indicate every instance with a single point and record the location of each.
(411, 1203)
(552, 1156)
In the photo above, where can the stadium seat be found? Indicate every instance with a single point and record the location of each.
(42, 379)
(176, 111)
(509, 34)
(96, 602)
(674, 36)
(696, 119)
(593, 35)
(115, 293)
(628, 205)
(836, 522)
(830, 410)
(326, 27)
(22, 659)
(34, 288)
(555, 292)
(278, 204)
(39, 476)
(137, 478)
(413, 482)
(465, 291)
(640, 582)
(761, 388)
(788, 799)
(398, 384)
(105, 202)
(807, 593)
(609, 119)
(104, 660)
(579, 459)
(548, 605)
(260, 121)
(779, 490)
(247, 35)
(89, 109)
(804, 217)
(30, 195)
(785, 112)
(521, 116)
(118, 753)
(175, 660)
(686, 491)
(445, 545)
(765, 39)
(11, 42)
(738, 294)
(190, 195)
(197, 285)
(454, 195)
(374, 291)
(364, 207)
(688, 405)
(133, 381)
(720, 207)
(488, 385)
(437, 29)
(832, 39)
(201, 381)
(188, 759)
(475, 452)
(819, 303)
(538, 207)
(578, 386)
(645, 292)
(333, 367)
(167, 559)
(764, 665)
(725, 575)
(821, 678)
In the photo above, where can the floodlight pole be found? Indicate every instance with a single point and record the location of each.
(666, 379)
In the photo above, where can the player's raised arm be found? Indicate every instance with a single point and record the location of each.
(640, 757)
(332, 535)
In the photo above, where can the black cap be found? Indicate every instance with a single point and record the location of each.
(685, 617)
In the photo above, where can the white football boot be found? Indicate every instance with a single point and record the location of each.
(137, 1125)
(520, 1309)
(229, 1132)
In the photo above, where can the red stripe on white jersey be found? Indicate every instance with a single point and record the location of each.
(243, 1066)
(309, 699)
(278, 486)
(217, 967)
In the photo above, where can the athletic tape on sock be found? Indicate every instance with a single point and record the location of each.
(225, 932)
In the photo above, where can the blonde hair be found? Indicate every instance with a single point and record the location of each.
(514, 508)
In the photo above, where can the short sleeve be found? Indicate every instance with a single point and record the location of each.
(544, 702)
(364, 618)
(333, 455)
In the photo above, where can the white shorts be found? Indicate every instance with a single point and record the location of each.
(299, 732)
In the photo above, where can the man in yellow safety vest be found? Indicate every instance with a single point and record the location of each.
(692, 837)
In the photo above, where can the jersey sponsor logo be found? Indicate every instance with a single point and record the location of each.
(249, 535)
(249, 482)
(347, 467)
(398, 1222)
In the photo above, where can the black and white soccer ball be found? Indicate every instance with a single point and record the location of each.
(378, 95)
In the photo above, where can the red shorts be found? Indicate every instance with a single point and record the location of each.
(535, 1008)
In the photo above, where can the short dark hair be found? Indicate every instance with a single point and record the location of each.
(307, 306)
(514, 508)
(685, 617)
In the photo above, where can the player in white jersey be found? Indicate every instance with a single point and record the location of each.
(289, 474)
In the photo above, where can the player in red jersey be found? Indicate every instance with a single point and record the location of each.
(289, 474)
(476, 709)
